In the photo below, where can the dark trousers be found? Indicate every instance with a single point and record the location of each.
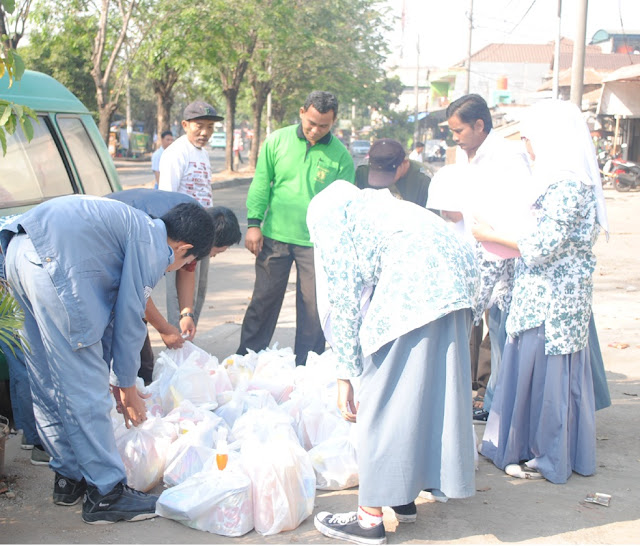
(273, 266)
(480, 349)
(146, 361)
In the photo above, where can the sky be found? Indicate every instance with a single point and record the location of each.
(442, 25)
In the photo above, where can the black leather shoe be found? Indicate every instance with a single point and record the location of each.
(120, 504)
(66, 491)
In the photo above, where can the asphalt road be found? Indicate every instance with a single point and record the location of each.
(139, 173)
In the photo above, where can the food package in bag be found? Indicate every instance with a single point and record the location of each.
(335, 462)
(202, 433)
(186, 463)
(143, 450)
(163, 367)
(240, 367)
(312, 420)
(216, 501)
(275, 372)
(262, 423)
(192, 353)
(194, 383)
(241, 401)
(283, 483)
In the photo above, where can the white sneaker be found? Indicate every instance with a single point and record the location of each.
(433, 495)
(523, 471)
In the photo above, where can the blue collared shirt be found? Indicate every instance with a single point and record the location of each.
(103, 258)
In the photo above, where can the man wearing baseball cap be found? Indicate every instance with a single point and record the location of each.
(389, 168)
(185, 168)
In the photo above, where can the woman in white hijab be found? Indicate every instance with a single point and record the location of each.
(542, 421)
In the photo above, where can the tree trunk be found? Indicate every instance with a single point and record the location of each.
(260, 93)
(104, 123)
(164, 99)
(231, 94)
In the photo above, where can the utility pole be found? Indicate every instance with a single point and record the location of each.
(577, 68)
(468, 87)
(556, 62)
(416, 131)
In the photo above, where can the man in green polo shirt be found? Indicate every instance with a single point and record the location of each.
(295, 164)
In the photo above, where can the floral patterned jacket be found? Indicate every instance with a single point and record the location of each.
(383, 268)
(553, 277)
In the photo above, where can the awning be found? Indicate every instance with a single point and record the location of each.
(621, 93)
(421, 116)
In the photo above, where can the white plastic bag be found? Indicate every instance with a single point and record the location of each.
(335, 462)
(186, 463)
(313, 421)
(275, 372)
(283, 483)
(194, 383)
(240, 367)
(202, 433)
(239, 402)
(216, 501)
(143, 450)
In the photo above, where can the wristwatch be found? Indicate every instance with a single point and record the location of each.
(182, 315)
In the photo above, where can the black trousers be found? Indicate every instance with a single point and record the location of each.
(146, 361)
(273, 266)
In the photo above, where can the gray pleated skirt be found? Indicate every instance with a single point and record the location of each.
(414, 421)
(543, 410)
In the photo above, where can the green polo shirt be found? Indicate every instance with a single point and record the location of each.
(289, 173)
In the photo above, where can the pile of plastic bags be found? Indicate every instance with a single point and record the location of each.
(242, 444)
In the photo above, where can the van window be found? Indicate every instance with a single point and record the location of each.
(32, 172)
(90, 170)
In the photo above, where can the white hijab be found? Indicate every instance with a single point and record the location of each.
(563, 149)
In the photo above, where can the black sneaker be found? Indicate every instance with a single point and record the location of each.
(66, 491)
(346, 527)
(480, 415)
(120, 504)
(39, 457)
(407, 513)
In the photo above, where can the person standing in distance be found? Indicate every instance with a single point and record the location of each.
(418, 152)
(165, 141)
(295, 164)
(185, 168)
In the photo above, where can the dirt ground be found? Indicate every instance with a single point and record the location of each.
(504, 510)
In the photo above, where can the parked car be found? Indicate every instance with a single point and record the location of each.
(218, 140)
(67, 154)
(360, 147)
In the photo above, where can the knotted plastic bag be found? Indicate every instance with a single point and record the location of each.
(335, 461)
(216, 501)
(143, 450)
(283, 482)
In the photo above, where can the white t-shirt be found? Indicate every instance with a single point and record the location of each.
(499, 180)
(415, 155)
(186, 169)
(155, 159)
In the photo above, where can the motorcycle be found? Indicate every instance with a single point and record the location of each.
(626, 176)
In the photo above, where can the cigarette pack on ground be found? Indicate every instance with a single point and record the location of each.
(598, 498)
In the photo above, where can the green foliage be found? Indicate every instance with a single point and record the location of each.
(12, 115)
(62, 48)
(395, 125)
(11, 317)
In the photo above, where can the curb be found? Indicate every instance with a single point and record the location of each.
(220, 184)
